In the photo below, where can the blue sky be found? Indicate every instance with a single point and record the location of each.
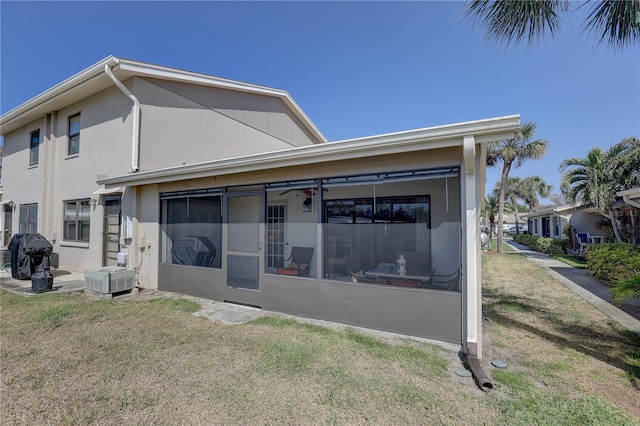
(356, 68)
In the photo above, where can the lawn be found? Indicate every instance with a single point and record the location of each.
(73, 360)
(570, 260)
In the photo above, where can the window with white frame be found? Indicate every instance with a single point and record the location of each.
(73, 147)
(76, 220)
(34, 148)
(28, 218)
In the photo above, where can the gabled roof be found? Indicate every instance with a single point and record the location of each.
(93, 80)
(451, 135)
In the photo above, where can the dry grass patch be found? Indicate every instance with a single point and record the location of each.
(558, 345)
(71, 360)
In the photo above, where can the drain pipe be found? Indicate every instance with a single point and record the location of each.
(482, 380)
(135, 145)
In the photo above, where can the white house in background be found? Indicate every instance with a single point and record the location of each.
(551, 222)
(209, 185)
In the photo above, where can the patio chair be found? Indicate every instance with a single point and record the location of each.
(446, 282)
(356, 270)
(299, 261)
(584, 239)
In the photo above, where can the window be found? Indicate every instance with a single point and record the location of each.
(76, 220)
(400, 228)
(34, 148)
(28, 218)
(74, 135)
(191, 228)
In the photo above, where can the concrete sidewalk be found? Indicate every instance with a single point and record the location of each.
(586, 286)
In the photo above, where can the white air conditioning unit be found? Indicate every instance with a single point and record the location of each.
(110, 279)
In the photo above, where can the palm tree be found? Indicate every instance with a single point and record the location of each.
(532, 187)
(490, 210)
(596, 178)
(616, 22)
(512, 153)
(513, 192)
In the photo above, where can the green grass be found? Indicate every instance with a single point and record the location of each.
(570, 260)
(153, 362)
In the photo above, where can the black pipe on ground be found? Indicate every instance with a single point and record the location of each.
(482, 380)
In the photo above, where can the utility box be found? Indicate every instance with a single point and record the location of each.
(109, 279)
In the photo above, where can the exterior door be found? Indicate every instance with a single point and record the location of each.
(275, 236)
(244, 245)
(111, 230)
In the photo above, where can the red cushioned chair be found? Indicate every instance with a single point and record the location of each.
(299, 261)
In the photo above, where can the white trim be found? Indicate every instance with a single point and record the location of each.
(392, 143)
(124, 68)
(109, 191)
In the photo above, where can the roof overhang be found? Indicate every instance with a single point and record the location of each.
(386, 144)
(631, 196)
(109, 191)
(554, 211)
(93, 80)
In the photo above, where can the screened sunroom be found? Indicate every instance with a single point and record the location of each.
(378, 232)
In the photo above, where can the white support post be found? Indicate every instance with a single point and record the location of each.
(472, 307)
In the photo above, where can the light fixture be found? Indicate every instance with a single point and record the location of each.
(307, 205)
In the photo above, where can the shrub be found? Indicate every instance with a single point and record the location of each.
(613, 261)
(629, 287)
(542, 244)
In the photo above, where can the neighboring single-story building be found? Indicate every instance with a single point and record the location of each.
(226, 190)
(551, 222)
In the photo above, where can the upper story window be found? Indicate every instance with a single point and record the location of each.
(74, 135)
(28, 218)
(76, 220)
(34, 148)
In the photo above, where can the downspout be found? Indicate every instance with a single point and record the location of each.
(473, 296)
(135, 144)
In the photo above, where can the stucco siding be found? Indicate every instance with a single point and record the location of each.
(213, 123)
(105, 147)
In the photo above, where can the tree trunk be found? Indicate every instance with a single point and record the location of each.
(615, 225)
(503, 187)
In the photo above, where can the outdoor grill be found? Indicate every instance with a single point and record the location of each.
(30, 260)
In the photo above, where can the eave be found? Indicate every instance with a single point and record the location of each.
(93, 80)
(392, 143)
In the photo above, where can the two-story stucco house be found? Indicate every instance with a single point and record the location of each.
(210, 185)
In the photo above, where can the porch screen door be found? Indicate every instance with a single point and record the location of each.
(244, 245)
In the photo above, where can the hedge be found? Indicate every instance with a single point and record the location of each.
(613, 261)
(543, 244)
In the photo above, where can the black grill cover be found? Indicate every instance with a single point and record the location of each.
(41, 281)
(36, 244)
(194, 251)
(28, 253)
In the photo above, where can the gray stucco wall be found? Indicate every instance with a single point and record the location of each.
(186, 124)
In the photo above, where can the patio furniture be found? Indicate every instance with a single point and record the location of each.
(584, 239)
(446, 282)
(356, 270)
(299, 261)
(388, 273)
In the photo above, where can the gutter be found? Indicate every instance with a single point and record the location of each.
(627, 199)
(135, 143)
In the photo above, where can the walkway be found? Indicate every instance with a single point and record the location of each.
(586, 286)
